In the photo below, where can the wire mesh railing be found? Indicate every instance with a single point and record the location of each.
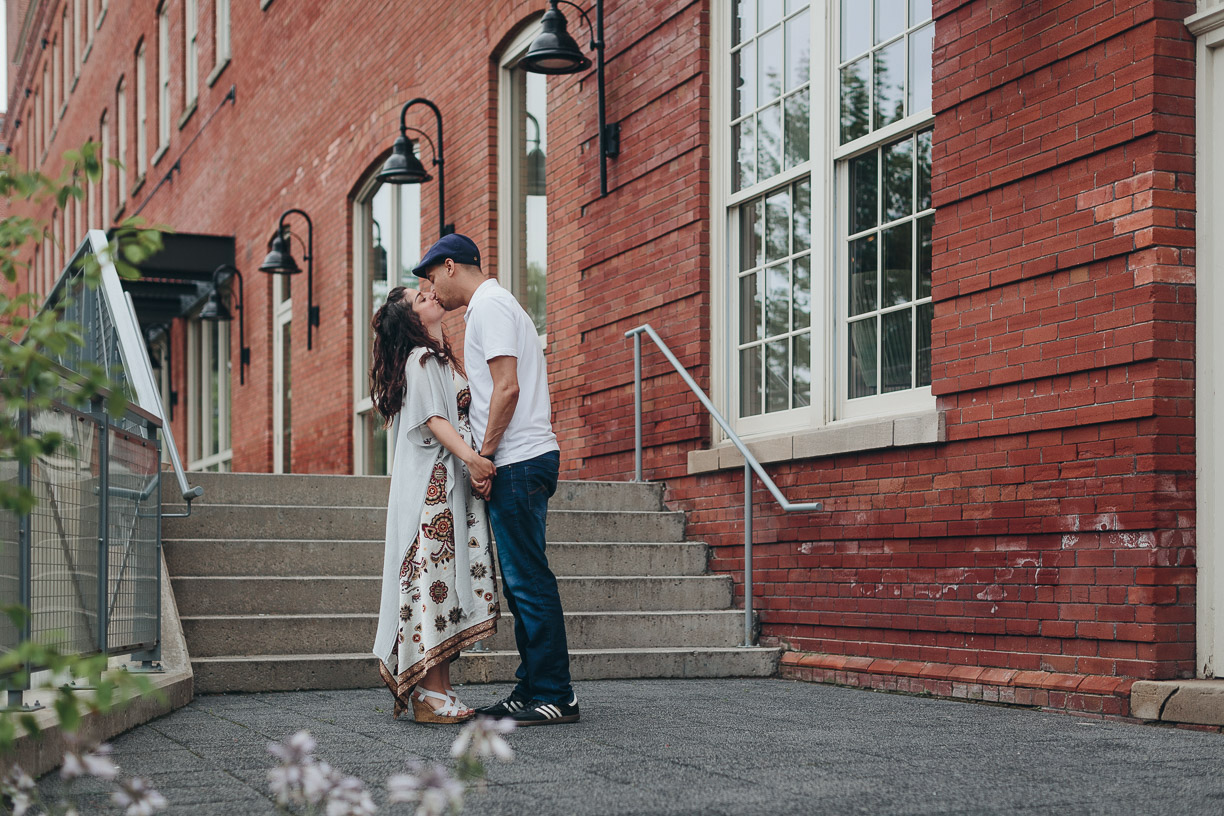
(86, 561)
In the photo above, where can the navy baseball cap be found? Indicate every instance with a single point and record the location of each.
(459, 248)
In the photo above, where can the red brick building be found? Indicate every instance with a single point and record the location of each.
(936, 262)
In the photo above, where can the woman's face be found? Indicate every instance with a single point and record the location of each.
(426, 305)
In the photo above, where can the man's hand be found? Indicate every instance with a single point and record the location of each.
(480, 468)
(482, 487)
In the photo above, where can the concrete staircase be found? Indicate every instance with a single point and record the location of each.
(277, 580)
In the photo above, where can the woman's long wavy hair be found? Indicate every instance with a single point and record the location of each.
(397, 332)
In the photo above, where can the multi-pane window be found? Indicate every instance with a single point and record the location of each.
(775, 285)
(78, 44)
(57, 87)
(885, 180)
(142, 113)
(191, 52)
(829, 213)
(390, 232)
(66, 70)
(524, 216)
(104, 193)
(163, 76)
(770, 100)
(208, 394)
(121, 126)
(771, 182)
(222, 34)
(888, 308)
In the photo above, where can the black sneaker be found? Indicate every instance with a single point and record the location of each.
(539, 712)
(504, 708)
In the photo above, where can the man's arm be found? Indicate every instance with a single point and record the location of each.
(504, 371)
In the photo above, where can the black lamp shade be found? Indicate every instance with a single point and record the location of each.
(280, 261)
(215, 310)
(554, 51)
(403, 166)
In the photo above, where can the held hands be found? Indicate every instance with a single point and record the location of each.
(481, 472)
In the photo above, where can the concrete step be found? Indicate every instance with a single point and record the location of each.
(218, 635)
(219, 557)
(338, 523)
(371, 491)
(359, 670)
(292, 595)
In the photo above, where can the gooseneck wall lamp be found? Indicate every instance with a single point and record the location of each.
(554, 51)
(215, 310)
(403, 166)
(280, 262)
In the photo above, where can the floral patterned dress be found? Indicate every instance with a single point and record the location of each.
(433, 624)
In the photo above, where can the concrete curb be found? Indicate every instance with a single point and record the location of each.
(1194, 702)
(44, 751)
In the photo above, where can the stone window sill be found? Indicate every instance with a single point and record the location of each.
(187, 114)
(842, 437)
(216, 72)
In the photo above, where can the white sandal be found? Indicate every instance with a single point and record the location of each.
(451, 710)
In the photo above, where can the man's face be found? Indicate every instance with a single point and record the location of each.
(442, 276)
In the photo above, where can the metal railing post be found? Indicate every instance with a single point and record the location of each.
(637, 407)
(751, 464)
(748, 639)
(151, 658)
(103, 525)
(25, 478)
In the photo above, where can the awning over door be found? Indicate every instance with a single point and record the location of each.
(175, 281)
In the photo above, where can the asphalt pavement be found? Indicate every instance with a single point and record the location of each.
(703, 747)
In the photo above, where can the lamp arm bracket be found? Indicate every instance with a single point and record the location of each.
(424, 135)
(598, 46)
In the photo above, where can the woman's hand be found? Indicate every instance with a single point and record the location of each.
(480, 468)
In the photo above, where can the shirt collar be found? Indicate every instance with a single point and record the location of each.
(482, 291)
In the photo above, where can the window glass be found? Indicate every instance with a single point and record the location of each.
(526, 145)
(893, 79)
(889, 268)
(775, 295)
(770, 100)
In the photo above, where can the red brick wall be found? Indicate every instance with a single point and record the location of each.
(1052, 531)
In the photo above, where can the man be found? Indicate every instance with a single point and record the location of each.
(512, 423)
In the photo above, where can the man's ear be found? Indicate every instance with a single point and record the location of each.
(449, 265)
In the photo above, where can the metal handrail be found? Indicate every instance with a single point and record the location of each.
(751, 465)
(137, 369)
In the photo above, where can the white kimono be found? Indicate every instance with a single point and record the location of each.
(439, 591)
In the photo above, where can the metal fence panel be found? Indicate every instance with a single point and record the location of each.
(133, 567)
(64, 534)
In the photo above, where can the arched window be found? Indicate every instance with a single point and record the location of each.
(523, 202)
(387, 244)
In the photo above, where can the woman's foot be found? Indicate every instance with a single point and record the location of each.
(430, 706)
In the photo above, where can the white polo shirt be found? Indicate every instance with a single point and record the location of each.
(497, 326)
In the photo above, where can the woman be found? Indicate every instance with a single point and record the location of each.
(438, 593)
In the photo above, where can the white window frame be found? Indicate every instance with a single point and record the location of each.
(828, 406)
(1208, 27)
(121, 134)
(282, 321)
(78, 46)
(363, 405)
(221, 39)
(191, 53)
(104, 193)
(508, 151)
(66, 70)
(163, 80)
(200, 394)
(142, 112)
(57, 88)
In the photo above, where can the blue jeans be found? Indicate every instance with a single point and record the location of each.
(518, 507)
